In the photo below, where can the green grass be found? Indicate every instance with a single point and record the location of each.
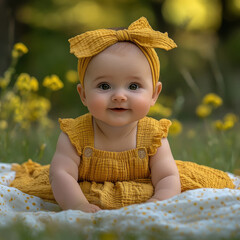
(18, 146)
(217, 149)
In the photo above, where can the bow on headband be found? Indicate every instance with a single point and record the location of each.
(90, 43)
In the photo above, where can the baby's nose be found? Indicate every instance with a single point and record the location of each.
(119, 96)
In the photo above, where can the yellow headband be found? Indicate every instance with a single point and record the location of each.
(89, 44)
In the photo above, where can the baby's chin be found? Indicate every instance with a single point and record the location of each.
(115, 121)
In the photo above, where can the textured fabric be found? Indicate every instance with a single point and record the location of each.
(204, 213)
(115, 179)
(149, 135)
(88, 44)
(195, 176)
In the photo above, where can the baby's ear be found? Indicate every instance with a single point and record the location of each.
(158, 89)
(81, 93)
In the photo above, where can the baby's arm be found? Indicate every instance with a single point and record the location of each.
(64, 176)
(164, 172)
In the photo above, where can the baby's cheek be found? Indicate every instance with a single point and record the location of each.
(96, 103)
(142, 106)
(142, 103)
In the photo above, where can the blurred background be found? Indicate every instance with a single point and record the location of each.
(207, 34)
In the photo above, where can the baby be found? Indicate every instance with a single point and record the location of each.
(115, 155)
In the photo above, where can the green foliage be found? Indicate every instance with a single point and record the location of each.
(202, 144)
(18, 145)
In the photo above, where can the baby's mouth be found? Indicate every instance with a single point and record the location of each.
(118, 109)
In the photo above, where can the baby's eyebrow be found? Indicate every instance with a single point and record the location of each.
(135, 77)
(107, 78)
(101, 77)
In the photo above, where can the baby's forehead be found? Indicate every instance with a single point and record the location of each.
(126, 56)
(122, 47)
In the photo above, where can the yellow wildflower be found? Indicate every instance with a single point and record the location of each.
(212, 99)
(218, 124)
(34, 84)
(38, 108)
(228, 124)
(231, 117)
(223, 126)
(72, 76)
(176, 128)
(3, 124)
(18, 50)
(20, 113)
(160, 109)
(3, 82)
(52, 82)
(20, 47)
(23, 82)
(9, 104)
(203, 111)
(32, 109)
(14, 101)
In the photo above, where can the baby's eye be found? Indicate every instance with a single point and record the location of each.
(104, 86)
(133, 86)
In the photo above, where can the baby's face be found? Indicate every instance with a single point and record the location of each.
(118, 87)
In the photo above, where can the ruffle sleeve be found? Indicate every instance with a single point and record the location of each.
(164, 125)
(71, 128)
(159, 131)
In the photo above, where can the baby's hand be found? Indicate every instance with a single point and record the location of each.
(88, 207)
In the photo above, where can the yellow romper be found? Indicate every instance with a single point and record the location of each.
(115, 179)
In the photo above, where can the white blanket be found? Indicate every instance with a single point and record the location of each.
(196, 214)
